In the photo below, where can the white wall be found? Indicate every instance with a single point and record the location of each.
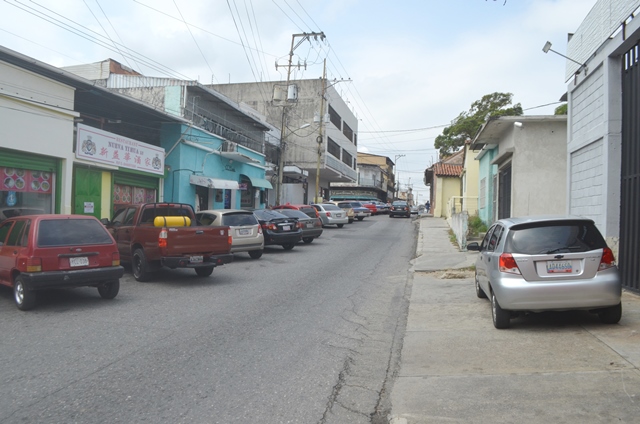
(38, 118)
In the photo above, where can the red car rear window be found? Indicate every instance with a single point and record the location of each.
(72, 232)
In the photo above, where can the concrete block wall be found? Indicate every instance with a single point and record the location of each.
(587, 178)
(601, 22)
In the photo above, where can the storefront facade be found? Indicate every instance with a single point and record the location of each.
(111, 171)
(211, 173)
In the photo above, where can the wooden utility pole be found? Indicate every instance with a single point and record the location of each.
(304, 36)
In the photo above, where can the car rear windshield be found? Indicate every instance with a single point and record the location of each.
(554, 237)
(330, 207)
(267, 214)
(399, 204)
(310, 212)
(72, 232)
(293, 213)
(239, 219)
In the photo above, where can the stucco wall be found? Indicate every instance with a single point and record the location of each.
(42, 123)
(539, 168)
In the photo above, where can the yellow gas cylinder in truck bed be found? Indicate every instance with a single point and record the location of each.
(172, 221)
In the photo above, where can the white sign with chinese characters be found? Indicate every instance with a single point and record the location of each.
(105, 147)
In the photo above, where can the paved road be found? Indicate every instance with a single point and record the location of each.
(305, 336)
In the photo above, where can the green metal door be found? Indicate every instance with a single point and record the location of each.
(87, 192)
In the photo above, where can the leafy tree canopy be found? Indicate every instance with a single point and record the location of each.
(561, 110)
(467, 124)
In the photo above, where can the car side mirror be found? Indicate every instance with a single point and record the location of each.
(105, 221)
(473, 246)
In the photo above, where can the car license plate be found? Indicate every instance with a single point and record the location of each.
(81, 261)
(286, 227)
(309, 225)
(244, 232)
(559, 267)
(195, 259)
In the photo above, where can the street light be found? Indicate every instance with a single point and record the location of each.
(547, 48)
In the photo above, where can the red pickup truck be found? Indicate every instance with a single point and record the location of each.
(155, 235)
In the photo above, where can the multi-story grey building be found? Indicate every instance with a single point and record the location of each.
(307, 111)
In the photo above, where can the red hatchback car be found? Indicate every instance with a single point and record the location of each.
(57, 251)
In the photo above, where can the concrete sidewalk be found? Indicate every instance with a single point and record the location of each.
(552, 367)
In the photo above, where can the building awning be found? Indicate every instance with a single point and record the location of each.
(204, 181)
(259, 182)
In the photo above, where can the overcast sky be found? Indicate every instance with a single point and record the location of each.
(414, 65)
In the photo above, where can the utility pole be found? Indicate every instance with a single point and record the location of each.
(397, 175)
(320, 136)
(304, 36)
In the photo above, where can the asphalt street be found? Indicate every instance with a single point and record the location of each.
(305, 336)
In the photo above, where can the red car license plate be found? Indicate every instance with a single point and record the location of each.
(81, 261)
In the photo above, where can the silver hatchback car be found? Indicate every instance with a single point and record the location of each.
(547, 264)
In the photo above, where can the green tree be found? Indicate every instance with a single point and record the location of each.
(561, 110)
(468, 123)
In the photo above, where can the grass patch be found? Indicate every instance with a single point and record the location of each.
(476, 226)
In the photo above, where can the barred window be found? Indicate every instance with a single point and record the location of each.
(335, 118)
(347, 158)
(347, 131)
(333, 148)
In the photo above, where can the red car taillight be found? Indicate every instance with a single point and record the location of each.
(34, 265)
(608, 259)
(328, 213)
(162, 238)
(115, 259)
(508, 264)
(271, 227)
(259, 229)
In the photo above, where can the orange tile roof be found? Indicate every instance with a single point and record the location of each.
(447, 170)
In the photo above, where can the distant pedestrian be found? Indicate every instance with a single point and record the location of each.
(427, 206)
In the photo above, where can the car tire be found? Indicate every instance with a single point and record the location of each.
(501, 318)
(25, 299)
(360, 218)
(611, 315)
(139, 265)
(340, 225)
(479, 292)
(204, 271)
(307, 239)
(288, 246)
(109, 290)
(390, 216)
(255, 254)
(350, 220)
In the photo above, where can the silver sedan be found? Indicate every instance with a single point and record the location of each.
(331, 214)
(547, 264)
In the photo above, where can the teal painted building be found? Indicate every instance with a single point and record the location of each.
(488, 180)
(209, 172)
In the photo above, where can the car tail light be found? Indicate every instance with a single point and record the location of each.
(115, 259)
(300, 225)
(34, 265)
(162, 238)
(608, 259)
(329, 214)
(259, 229)
(508, 264)
(229, 239)
(271, 227)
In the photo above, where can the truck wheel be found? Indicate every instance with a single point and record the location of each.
(139, 265)
(25, 299)
(307, 240)
(255, 254)
(204, 271)
(109, 290)
(288, 246)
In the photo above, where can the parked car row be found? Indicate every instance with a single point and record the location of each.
(46, 251)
